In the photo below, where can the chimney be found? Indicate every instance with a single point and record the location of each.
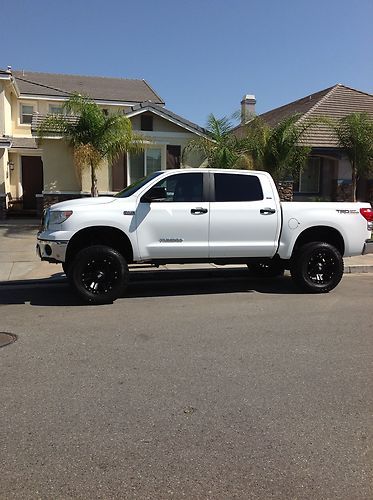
(247, 108)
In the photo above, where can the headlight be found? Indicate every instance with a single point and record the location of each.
(59, 216)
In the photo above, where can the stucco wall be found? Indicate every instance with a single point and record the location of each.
(59, 171)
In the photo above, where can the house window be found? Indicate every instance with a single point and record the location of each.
(309, 178)
(146, 122)
(173, 156)
(145, 163)
(55, 109)
(26, 113)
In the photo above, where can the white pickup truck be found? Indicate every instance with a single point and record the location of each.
(202, 215)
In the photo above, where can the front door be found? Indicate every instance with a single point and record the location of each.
(244, 220)
(176, 228)
(32, 180)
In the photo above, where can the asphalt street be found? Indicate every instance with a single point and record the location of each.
(208, 386)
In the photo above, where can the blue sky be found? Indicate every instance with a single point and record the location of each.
(201, 56)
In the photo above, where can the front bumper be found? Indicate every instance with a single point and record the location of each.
(51, 250)
(368, 247)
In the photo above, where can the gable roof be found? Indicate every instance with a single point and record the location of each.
(333, 102)
(97, 87)
(339, 102)
(166, 114)
(300, 106)
(143, 107)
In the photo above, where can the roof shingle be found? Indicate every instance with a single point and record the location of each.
(97, 87)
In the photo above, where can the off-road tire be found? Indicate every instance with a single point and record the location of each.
(317, 267)
(99, 274)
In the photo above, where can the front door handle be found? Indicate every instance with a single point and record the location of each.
(198, 210)
(267, 211)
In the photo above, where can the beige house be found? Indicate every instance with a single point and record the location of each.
(34, 174)
(327, 175)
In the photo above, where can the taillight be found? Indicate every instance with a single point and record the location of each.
(367, 213)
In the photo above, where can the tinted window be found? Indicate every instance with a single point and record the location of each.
(128, 191)
(183, 187)
(236, 187)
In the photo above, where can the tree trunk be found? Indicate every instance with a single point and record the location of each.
(354, 183)
(94, 190)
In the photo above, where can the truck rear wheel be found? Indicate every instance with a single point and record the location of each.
(317, 267)
(99, 274)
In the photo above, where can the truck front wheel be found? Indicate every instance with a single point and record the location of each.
(317, 267)
(99, 274)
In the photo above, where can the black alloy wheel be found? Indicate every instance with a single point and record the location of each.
(317, 267)
(99, 274)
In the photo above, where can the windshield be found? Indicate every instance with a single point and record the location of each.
(135, 186)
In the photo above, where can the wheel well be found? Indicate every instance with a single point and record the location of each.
(321, 233)
(100, 235)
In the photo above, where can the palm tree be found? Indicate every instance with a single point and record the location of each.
(279, 150)
(93, 136)
(221, 148)
(355, 136)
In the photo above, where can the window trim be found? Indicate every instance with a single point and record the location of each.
(21, 114)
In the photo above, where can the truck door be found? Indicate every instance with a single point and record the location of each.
(244, 216)
(177, 226)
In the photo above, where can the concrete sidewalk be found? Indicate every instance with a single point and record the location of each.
(18, 260)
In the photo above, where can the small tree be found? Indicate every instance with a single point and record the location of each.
(93, 136)
(355, 136)
(279, 150)
(221, 148)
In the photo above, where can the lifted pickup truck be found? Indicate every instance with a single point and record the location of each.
(204, 215)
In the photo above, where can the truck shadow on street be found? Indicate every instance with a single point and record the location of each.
(159, 283)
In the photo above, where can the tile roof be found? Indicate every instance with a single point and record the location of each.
(97, 87)
(333, 102)
(339, 102)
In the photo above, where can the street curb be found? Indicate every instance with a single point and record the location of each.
(358, 269)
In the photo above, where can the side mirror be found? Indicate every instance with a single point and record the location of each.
(156, 193)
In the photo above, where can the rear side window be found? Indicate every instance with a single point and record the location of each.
(237, 187)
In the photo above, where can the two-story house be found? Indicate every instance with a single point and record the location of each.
(35, 173)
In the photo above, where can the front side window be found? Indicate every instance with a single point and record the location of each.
(130, 190)
(26, 113)
(183, 187)
(237, 187)
(145, 163)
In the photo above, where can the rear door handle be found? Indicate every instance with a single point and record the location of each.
(198, 210)
(267, 211)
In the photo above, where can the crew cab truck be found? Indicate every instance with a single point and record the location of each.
(201, 215)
